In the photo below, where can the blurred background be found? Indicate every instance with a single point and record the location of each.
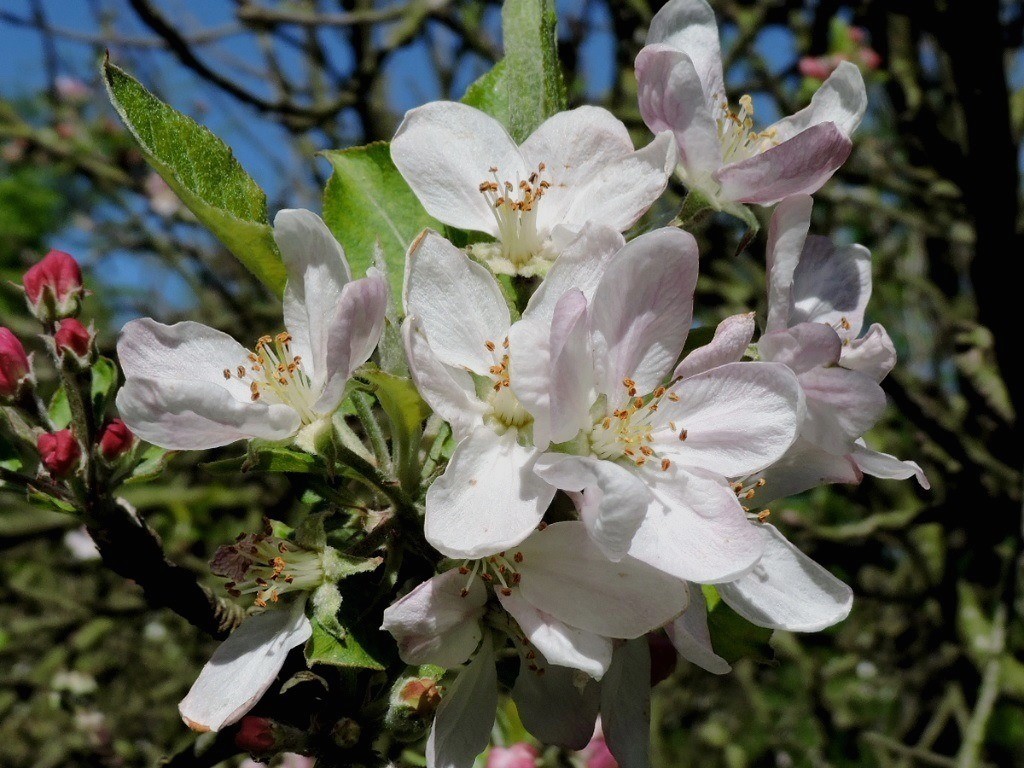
(927, 670)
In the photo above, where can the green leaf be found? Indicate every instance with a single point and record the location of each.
(59, 409)
(536, 87)
(732, 636)
(268, 458)
(104, 383)
(153, 463)
(366, 201)
(338, 648)
(489, 93)
(203, 172)
(406, 412)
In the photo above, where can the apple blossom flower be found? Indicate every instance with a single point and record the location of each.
(650, 454)
(191, 387)
(53, 287)
(721, 153)
(59, 452)
(15, 365)
(577, 167)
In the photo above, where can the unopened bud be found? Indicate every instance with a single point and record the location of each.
(59, 452)
(346, 733)
(53, 287)
(521, 755)
(116, 440)
(413, 703)
(15, 366)
(256, 736)
(74, 342)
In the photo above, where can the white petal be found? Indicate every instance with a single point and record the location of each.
(841, 406)
(488, 499)
(787, 234)
(805, 466)
(626, 705)
(690, 26)
(832, 285)
(642, 311)
(566, 575)
(690, 636)
(561, 644)
(458, 303)
(841, 99)
(557, 706)
(462, 725)
(787, 590)
(444, 151)
(738, 417)
(671, 98)
(695, 529)
(801, 348)
(196, 415)
(732, 337)
(873, 354)
(352, 335)
(317, 274)
(884, 465)
(243, 667)
(614, 499)
(435, 624)
(449, 392)
(189, 352)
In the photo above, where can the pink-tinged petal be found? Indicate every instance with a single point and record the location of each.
(462, 725)
(805, 466)
(672, 99)
(887, 466)
(841, 406)
(832, 286)
(732, 420)
(690, 636)
(787, 590)
(317, 275)
(841, 100)
(435, 623)
(642, 311)
(626, 705)
(488, 499)
(557, 706)
(787, 234)
(801, 348)
(873, 354)
(458, 331)
(562, 645)
(565, 574)
(449, 392)
(696, 529)
(444, 151)
(594, 172)
(243, 667)
(613, 502)
(730, 342)
(799, 166)
(353, 335)
(197, 415)
(690, 26)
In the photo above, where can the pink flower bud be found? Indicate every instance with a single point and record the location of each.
(521, 755)
(15, 368)
(816, 67)
(870, 58)
(597, 755)
(73, 337)
(858, 35)
(256, 736)
(54, 287)
(59, 452)
(116, 440)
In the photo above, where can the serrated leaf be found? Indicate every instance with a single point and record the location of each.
(203, 172)
(533, 74)
(367, 201)
(326, 647)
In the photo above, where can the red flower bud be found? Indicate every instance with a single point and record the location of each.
(116, 440)
(256, 736)
(54, 287)
(15, 367)
(521, 755)
(59, 452)
(73, 337)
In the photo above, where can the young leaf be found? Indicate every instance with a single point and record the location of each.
(203, 172)
(489, 93)
(536, 87)
(104, 382)
(406, 411)
(366, 201)
(339, 648)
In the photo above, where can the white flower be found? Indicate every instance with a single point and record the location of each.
(189, 386)
(577, 167)
(650, 454)
(721, 153)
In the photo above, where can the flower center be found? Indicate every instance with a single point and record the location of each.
(275, 374)
(629, 432)
(514, 207)
(267, 567)
(737, 135)
(500, 571)
(506, 412)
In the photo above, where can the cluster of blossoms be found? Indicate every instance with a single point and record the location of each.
(598, 481)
